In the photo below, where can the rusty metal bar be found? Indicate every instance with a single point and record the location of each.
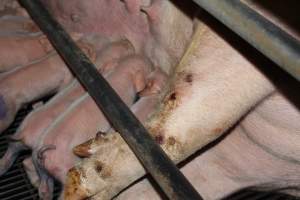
(268, 38)
(154, 159)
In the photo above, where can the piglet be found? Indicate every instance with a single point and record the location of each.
(143, 109)
(33, 82)
(42, 117)
(81, 121)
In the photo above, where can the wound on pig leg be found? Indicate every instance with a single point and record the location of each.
(3, 108)
(10, 156)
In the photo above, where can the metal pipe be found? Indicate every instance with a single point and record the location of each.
(154, 159)
(269, 39)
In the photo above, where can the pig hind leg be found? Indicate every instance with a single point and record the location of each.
(11, 155)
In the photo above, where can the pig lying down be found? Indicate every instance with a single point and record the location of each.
(187, 78)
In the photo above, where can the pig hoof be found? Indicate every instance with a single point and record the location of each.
(46, 187)
(10, 156)
(46, 182)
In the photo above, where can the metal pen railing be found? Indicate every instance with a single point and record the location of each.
(269, 39)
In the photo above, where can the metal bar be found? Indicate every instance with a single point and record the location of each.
(157, 163)
(269, 39)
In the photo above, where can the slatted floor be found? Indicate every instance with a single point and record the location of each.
(14, 185)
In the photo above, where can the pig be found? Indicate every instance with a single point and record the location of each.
(73, 127)
(209, 71)
(156, 28)
(31, 172)
(180, 128)
(143, 109)
(33, 82)
(25, 50)
(42, 117)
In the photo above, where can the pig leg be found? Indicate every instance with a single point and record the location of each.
(31, 172)
(10, 155)
(46, 186)
(29, 83)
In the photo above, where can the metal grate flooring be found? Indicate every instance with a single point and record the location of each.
(14, 185)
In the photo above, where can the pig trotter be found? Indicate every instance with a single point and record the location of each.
(46, 187)
(10, 156)
(46, 181)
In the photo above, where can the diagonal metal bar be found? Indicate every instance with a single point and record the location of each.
(156, 162)
(269, 39)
